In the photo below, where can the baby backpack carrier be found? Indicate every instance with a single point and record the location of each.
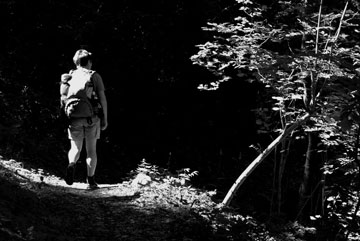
(79, 87)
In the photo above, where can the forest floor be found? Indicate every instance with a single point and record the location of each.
(39, 206)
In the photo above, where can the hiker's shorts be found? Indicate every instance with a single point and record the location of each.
(81, 128)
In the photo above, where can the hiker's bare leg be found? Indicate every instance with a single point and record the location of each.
(91, 159)
(75, 150)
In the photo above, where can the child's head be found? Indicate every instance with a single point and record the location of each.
(65, 78)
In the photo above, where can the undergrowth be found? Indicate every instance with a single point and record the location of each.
(159, 192)
(163, 188)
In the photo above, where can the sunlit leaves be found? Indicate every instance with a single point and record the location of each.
(297, 79)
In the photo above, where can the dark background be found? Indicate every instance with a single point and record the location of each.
(142, 50)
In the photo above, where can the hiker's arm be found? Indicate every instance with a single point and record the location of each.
(100, 89)
(103, 103)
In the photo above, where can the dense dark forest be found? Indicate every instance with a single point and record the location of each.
(205, 85)
(143, 52)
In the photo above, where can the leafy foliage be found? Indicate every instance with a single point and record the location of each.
(307, 67)
(159, 187)
(174, 189)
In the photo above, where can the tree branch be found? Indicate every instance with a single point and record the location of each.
(260, 158)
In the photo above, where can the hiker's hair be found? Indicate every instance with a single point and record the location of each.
(84, 60)
(82, 57)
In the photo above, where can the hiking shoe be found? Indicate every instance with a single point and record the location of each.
(70, 171)
(91, 183)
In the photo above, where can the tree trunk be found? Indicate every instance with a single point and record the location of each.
(284, 155)
(356, 154)
(273, 192)
(304, 187)
(231, 193)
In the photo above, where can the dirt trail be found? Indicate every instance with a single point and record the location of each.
(38, 206)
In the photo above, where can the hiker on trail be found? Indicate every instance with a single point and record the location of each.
(84, 103)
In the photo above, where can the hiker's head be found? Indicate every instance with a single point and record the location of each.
(82, 58)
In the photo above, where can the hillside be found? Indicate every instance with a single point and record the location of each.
(39, 206)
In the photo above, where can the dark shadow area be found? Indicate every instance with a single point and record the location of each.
(143, 52)
(53, 213)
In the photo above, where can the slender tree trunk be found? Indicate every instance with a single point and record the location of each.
(273, 192)
(231, 193)
(284, 156)
(305, 185)
(356, 150)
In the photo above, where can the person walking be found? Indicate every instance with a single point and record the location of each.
(83, 128)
